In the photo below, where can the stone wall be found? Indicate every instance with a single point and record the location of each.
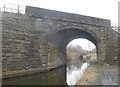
(21, 48)
(24, 48)
(112, 47)
(17, 42)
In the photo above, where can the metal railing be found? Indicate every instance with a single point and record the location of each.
(12, 8)
(115, 28)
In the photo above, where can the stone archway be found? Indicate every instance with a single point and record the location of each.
(60, 38)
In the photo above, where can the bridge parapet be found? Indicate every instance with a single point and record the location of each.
(63, 16)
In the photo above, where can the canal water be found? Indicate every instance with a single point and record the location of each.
(75, 72)
(58, 76)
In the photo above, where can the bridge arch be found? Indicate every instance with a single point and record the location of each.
(73, 32)
(61, 37)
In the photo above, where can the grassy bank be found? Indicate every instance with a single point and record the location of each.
(95, 74)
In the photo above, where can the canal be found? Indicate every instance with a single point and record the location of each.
(58, 76)
(75, 73)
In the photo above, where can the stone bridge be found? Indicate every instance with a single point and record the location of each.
(36, 41)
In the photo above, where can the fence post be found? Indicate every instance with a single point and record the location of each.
(4, 7)
(18, 8)
(13, 8)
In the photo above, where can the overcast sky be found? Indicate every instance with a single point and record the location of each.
(84, 43)
(106, 9)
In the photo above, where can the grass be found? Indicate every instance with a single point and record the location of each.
(91, 75)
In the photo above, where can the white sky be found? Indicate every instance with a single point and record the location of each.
(106, 9)
(84, 43)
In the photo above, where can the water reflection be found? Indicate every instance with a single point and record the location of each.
(58, 76)
(93, 75)
(53, 77)
(75, 70)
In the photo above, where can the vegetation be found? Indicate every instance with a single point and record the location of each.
(94, 73)
(76, 52)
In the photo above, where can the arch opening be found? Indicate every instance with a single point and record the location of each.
(80, 53)
(60, 39)
(81, 48)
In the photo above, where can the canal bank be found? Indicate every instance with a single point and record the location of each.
(99, 75)
(18, 73)
(51, 77)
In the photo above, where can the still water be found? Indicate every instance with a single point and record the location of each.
(59, 76)
(75, 72)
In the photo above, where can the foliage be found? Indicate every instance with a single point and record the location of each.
(74, 52)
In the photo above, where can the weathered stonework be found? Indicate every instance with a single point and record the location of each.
(37, 40)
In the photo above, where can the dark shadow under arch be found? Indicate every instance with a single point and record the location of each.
(63, 35)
